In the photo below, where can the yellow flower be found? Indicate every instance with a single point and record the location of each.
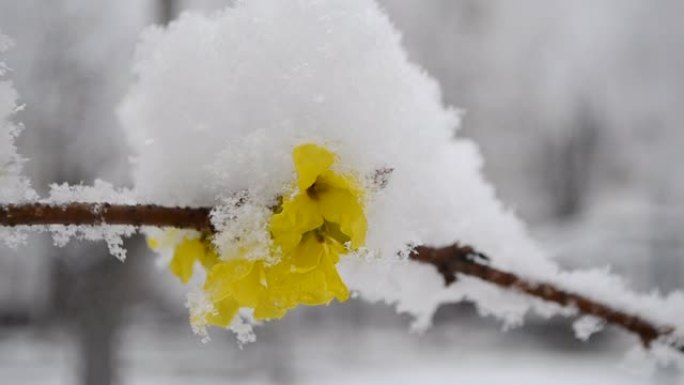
(189, 251)
(324, 195)
(322, 220)
(192, 248)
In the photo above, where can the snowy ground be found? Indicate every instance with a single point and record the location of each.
(169, 354)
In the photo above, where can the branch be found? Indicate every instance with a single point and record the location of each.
(457, 259)
(96, 214)
(449, 261)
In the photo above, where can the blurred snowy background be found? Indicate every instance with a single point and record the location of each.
(577, 107)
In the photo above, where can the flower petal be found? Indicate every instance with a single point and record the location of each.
(222, 276)
(343, 208)
(226, 310)
(184, 257)
(335, 285)
(310, 161)
(298, 216)
(250, 289)
(209, 258)
(268, 310)
(308, 253)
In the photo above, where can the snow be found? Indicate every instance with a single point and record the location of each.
(13, 186)
(241, 228)
(100, 192)
(267, 76)
(220, 101)
(586, 326)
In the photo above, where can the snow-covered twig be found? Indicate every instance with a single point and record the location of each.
(93, 214)
(449, 261)
(463, 259)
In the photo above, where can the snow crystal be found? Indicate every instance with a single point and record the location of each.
(200, 306)
(14, 188)
(241, 228)
(220, 101)
(100, 192)
(586, 326)
(242, 326)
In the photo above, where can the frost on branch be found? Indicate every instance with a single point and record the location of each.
(221, 101)
(14, 187)
(586, 326)
(100, 192)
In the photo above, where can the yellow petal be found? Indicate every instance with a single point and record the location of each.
(226, 310)
(344, 182)
(334, 245)
(250, 289)
(184, 257)
(168, 238)
(317, 284)
(307, 255)
(267, 310)
(334, 282)
(152, 243)
(298, 216)
(310, 161)
(209, 258)
(222, 277)
(307, 289)
(343, 208)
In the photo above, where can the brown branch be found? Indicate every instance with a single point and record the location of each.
(449, 261)
(457, 259)
(94, 214)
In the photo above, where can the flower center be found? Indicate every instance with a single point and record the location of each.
(316, 189)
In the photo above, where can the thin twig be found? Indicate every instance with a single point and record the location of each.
(457, 259)
(449, 261)
(94, 214)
